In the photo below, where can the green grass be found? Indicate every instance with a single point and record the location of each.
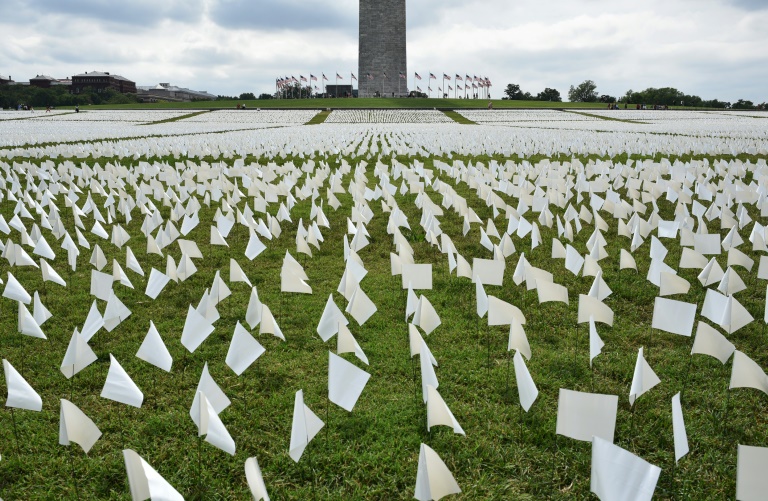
(319, 118)
(458, 117)
(602, 117)
(372, 452)
(176, 119)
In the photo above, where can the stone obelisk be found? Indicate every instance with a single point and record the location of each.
(382, 48)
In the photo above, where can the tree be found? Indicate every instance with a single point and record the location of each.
(605, 98)
(264, 96)
(549, 95)
(513, 92)
(743, 104)
(585, 92)
(247, 96)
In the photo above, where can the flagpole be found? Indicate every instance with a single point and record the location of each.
(337, 84)
(443, 94)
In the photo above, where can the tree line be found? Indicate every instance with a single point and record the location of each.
(12, 96)
(586, 92)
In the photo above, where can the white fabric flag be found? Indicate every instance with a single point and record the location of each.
(78, 356)
(304, 427)
(751, 480)
(243, 350)
(746, 373)
(14, 290)
(254, 310)
(236, 273)
(211, 426)
(643, 379)
(502, 313)
(595, 343)
(330, 320)
(526, 388)
(433, 479)
(269, 324)
(346, 343)
(583, 415)
(428, 376)
(213, 393)
(75, 426)
(27, 323)
(20, 394)
(120, 387)
(678, 429)
(591, 307)
(145, 482)
(672, 316)
(115, 313)
(156, 283)
(710, 342)
(93, 322)
(154, 351)
(255, 480)
(40, 313)
(426, 317)
(196, 330)
(345, 382)
(482, 298)
(619, 475)
(438, 412)
(360, 306)
(518, 340)
(417, 344)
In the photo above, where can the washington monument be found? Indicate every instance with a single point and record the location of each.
(382, 56)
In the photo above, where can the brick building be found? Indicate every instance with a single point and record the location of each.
(5, 80)
(101, 81)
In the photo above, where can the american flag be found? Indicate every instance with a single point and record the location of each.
(303, 78)
(369, 76)
(466, 86)
(418, 88)
(417, 76)
(384, 73)
(402, 75)
(467, 77)
(339, 76)
(353, 76)
(429, 89)
(450, 88)
(312, 77)
(446, 77)
(316, 87)
(293, 79)
(474, 86)
(325, 77)
(431, 76)
(458, 77)
(487, 82)
(475, 78)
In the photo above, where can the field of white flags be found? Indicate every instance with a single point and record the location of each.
(385, 305)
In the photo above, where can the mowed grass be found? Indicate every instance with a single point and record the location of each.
(372, 452)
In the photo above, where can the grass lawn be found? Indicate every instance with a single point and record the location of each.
(372, 452)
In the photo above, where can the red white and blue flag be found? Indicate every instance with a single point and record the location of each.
(353, 76)
(446, 77)
(402, 75)
(339, 76)
(432, 76)
(312, 77)
(417, 76)
(458, 77)
(325, 77)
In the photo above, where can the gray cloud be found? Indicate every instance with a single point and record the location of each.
(751, 5)
(134, 12)
(271, 15)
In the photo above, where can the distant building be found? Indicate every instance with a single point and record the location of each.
(340, 91)
(5, 80)
(46, 82)
(100, 81)
(168, 92)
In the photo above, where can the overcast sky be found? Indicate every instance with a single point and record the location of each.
(711, 48)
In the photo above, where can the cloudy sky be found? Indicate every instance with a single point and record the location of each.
(712, 48)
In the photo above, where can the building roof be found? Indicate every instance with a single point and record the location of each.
(43, 77)
(174, 88)
(102, 74)
(7, 78)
